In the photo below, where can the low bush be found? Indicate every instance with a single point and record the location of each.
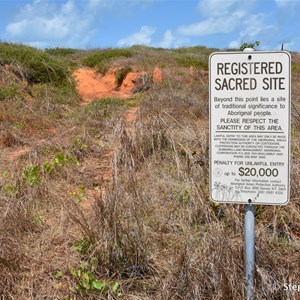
(61, 51)
(96, 58)
(34, 65)
(194, 56)
(196, 49)
(121, 74)
(187, 61)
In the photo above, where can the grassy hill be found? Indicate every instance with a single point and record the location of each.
(96, 207)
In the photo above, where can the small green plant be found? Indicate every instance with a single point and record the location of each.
(79, 194)
(59, 161)
(19, 124)
(48, 167)
(249, 45)
(10, 190)
(121, 74)
(83, 246)
(62, 159)
(79, 143)
(31, 175)
(37, 219)
(58, 274)
(183, 197)
(87, 282)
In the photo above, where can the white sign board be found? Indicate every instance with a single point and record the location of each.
(250, 127)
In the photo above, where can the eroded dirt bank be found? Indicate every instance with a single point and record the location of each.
(92, 85)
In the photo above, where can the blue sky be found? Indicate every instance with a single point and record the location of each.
(159, 23)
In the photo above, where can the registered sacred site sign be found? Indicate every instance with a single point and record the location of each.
(250, 94)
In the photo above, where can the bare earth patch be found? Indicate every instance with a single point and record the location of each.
(92, 85)
(17, 153)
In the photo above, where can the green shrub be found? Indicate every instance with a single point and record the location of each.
(35, 65)
(61, 51)
(96, 58)
(103, 66)
(195, 49)
(69, 57)
(196, 56)
(31, 175)
(121, 74)
(187, 61)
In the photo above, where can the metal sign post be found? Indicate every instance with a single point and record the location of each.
(249, 238)
(249, 256)
(250, 96)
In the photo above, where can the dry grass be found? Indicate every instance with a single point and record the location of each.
(151, 232)
(161, 236)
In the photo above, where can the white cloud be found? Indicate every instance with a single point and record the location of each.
(211, 26)
(218, 8)
(219, 16)
(234, 44)
(67, 23)
(254, 28)
(288, 9)
(282, 3)
(253, 31)
(142, 37)
(43, 23)
(171, 40)
(236, 17)
(168, 40)
(94, 5)
(215, 8)
(39, 28)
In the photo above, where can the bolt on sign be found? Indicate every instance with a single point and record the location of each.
(250, 96)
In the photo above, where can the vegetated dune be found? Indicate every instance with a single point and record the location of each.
(109, 200)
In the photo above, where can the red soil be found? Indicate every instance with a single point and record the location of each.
(157, 75)
(91, 85)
